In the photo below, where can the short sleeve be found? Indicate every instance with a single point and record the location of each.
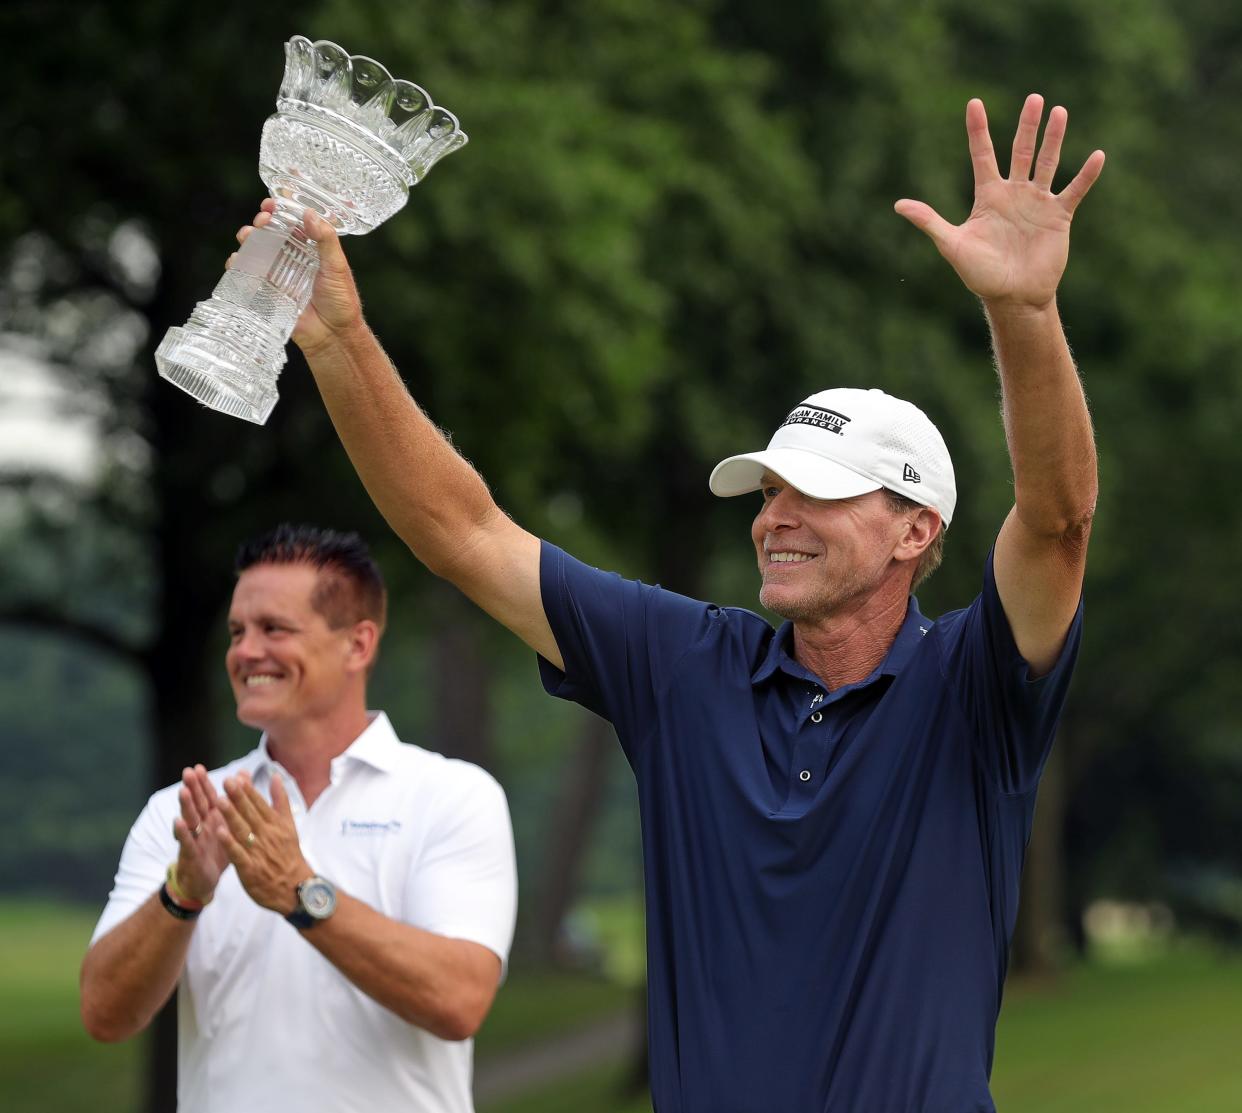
(464, 884)
(1013, 717)
(620, 640)
(148, 850)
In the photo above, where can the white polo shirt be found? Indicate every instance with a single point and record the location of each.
(265, 1022)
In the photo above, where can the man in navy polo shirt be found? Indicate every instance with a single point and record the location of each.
(834, 812)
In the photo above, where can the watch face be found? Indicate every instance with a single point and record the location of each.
(318, 897)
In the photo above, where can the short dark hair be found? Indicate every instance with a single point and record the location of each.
(930, 560)
(350, 586)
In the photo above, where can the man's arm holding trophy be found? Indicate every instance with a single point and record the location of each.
(432, 497)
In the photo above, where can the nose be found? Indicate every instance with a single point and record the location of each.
(781, 511)
(246, 647)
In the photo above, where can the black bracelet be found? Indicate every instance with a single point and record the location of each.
(174, 908)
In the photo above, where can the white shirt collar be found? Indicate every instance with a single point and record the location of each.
(376, 746)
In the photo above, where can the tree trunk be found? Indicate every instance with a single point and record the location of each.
(161, 1096)
(187, 645)
(573, 820)
(182, 728)
(462, 711)
(1039, 936)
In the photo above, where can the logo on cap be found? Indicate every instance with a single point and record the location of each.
(910, 475)
(818, 417)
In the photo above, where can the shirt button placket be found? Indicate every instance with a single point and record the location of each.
(804, 775)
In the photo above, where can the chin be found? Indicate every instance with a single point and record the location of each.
(782, 604)
(254, 717)
(792, 606)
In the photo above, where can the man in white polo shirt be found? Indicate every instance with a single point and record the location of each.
(336, 907)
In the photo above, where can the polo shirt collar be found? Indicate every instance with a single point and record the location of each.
(377, 746)
(780, 656)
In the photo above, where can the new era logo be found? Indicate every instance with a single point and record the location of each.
(910, 475)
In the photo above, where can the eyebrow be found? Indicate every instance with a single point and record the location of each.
(266, 616)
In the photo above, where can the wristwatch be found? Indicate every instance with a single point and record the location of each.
(316, 901)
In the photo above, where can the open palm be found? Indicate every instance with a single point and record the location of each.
(1014, 245)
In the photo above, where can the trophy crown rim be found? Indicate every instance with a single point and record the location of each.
(363, 94)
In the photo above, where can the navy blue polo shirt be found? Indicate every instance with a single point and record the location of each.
(831, 877)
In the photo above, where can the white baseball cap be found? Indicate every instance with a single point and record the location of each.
(845, 442)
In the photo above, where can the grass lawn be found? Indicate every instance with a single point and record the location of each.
(1162, 1035)
(47, 1061)
(535, 1006)
(1159, 1036)
(50, 1065)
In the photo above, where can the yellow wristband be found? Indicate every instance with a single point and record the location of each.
(179, 895)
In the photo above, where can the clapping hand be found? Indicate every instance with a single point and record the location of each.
(201, 858)
(261, 841)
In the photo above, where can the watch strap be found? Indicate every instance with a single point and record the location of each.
(301, 919)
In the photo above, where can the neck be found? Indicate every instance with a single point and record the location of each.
(847, 646)
(306, 748)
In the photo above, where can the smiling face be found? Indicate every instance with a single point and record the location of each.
(818, 556)
(285, 663)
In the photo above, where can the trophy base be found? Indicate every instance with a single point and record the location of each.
(216, 374)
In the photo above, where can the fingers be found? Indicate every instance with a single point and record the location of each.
(316, 227)
(1045, 166)
(233, 848)
(196, 797)
(202, 791)
(280, 798)
(189, 809)
(1024, 138)
(233, 834)
(1073, 193)
(258, 809)
(982, 156)
(331, 254)
(246, 803)
(262, 217)
(925, 219)
(1050, 151)
(183, 832)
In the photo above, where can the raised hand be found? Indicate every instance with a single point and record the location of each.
(1013, 247)
(334, 307)
(261, 841)
(201, 858)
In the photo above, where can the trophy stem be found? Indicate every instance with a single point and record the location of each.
(347, 140)
(229, 353)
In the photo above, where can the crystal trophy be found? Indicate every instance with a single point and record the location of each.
(347, 140)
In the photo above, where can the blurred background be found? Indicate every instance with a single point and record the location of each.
(672, 222)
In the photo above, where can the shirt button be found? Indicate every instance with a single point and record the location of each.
(805, 775)
(817, 716)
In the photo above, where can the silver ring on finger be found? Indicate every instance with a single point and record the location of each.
(198, 830)
(251, 839)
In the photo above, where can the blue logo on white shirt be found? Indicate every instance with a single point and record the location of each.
(370, 827)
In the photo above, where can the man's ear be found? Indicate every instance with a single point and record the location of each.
(363, 645)
(922, 526)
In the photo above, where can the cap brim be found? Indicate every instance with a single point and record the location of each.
(809, 472)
